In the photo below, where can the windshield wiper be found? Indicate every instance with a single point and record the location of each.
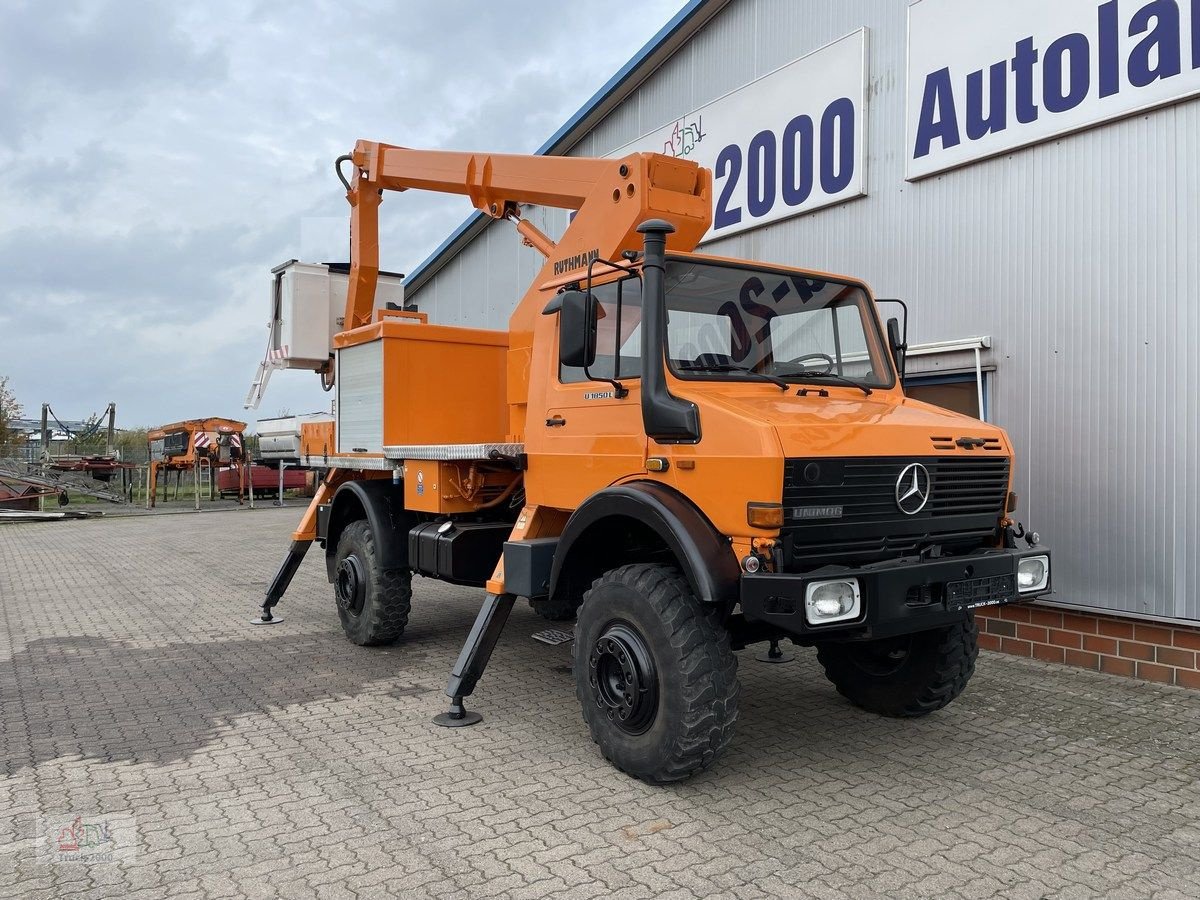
(830, 376)
(730, 367)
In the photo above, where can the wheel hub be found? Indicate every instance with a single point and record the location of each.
(624, 678)
(350, 585)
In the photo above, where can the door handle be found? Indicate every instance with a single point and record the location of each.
(555, 422)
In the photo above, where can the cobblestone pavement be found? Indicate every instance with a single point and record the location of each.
(284, 761)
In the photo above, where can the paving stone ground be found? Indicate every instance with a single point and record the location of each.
(285, 761)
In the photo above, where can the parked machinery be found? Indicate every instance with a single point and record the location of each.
(203, 447)
(689, 453)
(279, 438)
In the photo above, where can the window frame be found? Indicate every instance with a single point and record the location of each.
(873, 333)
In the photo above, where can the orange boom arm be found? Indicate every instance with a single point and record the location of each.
(612, 196)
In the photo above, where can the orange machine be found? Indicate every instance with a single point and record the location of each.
(689, 454)
(201, 446)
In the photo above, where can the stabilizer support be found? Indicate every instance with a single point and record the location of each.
(279, 585)
(474, 659)
(775, 654)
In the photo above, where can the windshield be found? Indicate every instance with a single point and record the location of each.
(724, 318)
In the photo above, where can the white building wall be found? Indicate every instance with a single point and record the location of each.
(1077, 256)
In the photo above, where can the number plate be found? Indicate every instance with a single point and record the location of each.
(981, 591)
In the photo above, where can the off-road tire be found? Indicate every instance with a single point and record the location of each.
(696, 673)
(555, 610)
(386, 596)
(935, 668)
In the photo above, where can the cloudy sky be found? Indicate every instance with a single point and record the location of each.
(158, 158)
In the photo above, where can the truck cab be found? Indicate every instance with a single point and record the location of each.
(806, 456)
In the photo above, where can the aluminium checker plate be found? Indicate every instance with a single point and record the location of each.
(374, 463)
(449, 452)
(393, 456)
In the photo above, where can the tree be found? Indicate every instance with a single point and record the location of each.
(132, 445)
(10, 409)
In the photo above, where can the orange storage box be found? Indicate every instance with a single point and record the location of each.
(401, 381)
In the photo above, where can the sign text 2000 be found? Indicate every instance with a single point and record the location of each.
(787, 166)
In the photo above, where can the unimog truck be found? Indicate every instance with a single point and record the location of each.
(685, 454)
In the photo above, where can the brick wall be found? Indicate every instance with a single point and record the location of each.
(1139, 649)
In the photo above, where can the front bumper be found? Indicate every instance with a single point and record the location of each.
(899, 596)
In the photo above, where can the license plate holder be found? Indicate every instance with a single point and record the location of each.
(991, 590)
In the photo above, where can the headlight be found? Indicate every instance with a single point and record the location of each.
(1033, 573)
(832, 601)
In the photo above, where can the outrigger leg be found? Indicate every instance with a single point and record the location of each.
(302, 539)
(474, 659)
(279, 584)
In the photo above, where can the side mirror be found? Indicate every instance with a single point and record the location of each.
(577, 329)
(898, 345)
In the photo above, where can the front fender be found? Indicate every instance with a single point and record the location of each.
(702, 552)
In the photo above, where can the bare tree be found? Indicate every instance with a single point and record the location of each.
(10, 409)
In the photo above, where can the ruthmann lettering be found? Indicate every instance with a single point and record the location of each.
(1158, 49)
(579, 260)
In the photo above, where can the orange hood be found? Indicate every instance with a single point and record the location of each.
(883, 424)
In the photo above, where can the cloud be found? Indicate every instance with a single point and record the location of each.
(109, 51)
(157, 159)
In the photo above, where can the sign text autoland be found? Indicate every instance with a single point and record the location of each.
(989, 76)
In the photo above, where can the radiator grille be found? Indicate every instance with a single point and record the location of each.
(845, 510)
(865, 489)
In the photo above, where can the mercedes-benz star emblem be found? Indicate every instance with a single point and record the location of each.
(912, 489)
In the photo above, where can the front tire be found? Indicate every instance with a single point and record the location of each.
(373, 603)
(654, 673)
(907, 676)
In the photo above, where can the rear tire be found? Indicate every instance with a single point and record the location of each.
(373, 602)
(904, 677)
(654, 673)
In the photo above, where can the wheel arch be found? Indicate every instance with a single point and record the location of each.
(381, 503)
(643, 521)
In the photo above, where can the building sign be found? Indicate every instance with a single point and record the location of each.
(988, 76)
(790, 142)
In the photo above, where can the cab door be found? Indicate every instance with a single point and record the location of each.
(591, 436)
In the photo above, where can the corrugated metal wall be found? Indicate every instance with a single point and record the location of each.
(1078, 256)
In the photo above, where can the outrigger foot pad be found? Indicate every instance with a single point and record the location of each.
(775, 655)
(457, 716)
(266, 618)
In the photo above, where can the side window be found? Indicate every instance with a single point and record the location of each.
(799, 334)
(618, 352)
(854, 359)
(691, 335)
(837, 332)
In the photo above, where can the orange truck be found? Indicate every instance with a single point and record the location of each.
(685, 454)
(202, 446)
